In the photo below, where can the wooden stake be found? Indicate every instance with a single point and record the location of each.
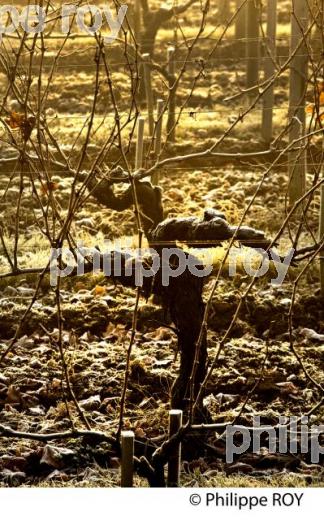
(137, 21)
(137, 27)
(321, 233)
(269, 70)
(240, 28)
(224, 11)
(159, 123)
(171, 132)
(140, 144)
(252, 44)
(127, 467)
(149, 92)
(240, 22)
(175, 423)
(297, 96)
(176, 24)
(158, 136)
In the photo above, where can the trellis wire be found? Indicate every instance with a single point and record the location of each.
(212, 61)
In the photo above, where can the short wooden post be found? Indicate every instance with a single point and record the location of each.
(252, 44)
(175, 423)
(269, 70)
(149, 92)
(158, 136)
(127, 460)
(140, 144)
(171, 123)
(137, 21)
(297, 99)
